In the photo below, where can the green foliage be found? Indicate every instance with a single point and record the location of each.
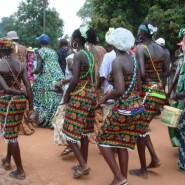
(169, 22)
(3, 24)
(28, 22)
(167, 14)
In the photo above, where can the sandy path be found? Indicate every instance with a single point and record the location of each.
(44, 165)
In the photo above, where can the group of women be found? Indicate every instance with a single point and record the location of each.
(138, 93)
(127, 123)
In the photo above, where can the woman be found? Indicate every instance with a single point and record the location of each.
(80, 115)
(122, 125)
(45, 100)
(30, 63)
(58, 119)
(153, 66)
(179, 97)
(12, 104)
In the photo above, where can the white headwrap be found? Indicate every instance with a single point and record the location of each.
(122, 39)
(107, 35)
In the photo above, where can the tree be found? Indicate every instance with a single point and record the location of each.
(167, 14)
(28, 22)
(107, 13)
(4, 22)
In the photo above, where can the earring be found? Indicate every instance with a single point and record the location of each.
(75, 45)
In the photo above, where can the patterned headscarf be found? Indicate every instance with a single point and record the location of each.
(6, 43)
(148, 27)
(122, 39)
(182, 32)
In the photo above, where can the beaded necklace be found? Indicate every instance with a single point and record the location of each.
(133, 79)
(90, 70)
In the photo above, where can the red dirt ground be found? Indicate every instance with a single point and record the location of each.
(44, 165)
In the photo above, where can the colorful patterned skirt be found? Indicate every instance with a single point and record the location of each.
(122, 131)
(11, 113)
(80, 115)
(153, 104)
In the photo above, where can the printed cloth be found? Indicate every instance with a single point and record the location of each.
(11, 113)
(80, 112)
(46, 101)
(30, 66)
(181, 105)
(156, 98)
(119, 130)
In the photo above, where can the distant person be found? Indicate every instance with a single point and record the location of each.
(19, 50)
(105, 70)
(179, 98)
(30, 63)
(58, 119)
(49, 73)
(161, 42)
(62, 53)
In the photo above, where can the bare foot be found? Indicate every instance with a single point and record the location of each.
(154, 164)
(139, 173)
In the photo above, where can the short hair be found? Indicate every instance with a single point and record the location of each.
(63, 42)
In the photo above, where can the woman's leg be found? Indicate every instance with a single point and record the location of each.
(8, 155)
(109, 158)
(141, 144)
(155, 162)
(15, 151)
(78, 153)
(123, 161)
(84, 147)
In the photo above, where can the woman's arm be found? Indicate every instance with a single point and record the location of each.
(39, 65)
(28, 88)
(7, 89)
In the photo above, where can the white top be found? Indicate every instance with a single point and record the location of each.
(68, 73)
(106, 68)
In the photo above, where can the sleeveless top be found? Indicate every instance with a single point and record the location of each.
(150, 73)
(86, 76)
(12, 80)
(130, 103)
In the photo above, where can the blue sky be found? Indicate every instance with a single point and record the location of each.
(66, 8)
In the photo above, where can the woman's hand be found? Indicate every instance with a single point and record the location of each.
(101, 103)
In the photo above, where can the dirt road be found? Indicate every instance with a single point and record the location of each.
(44, 165)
